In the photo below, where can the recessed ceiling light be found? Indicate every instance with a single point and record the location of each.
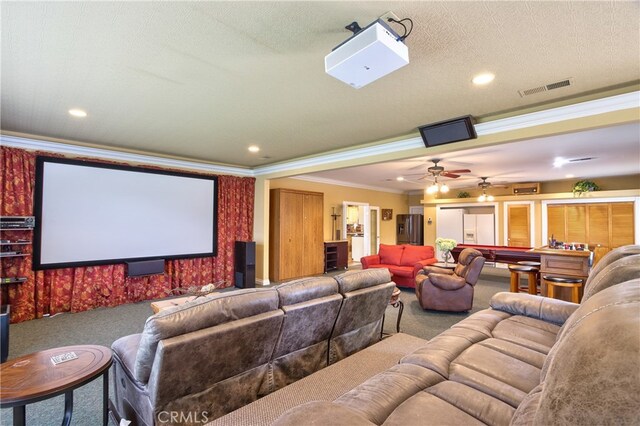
(399, 178)
(559, 162)
(78, 113)
(570, 176)
(254, 148)
(484, 78)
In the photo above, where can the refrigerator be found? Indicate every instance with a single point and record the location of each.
(409, 229)
(479, 229)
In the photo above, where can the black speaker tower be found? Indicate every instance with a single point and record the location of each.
(245, 264)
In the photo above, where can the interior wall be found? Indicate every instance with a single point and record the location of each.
(561, 189)
(334, 195)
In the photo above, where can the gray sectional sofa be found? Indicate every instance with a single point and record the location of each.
(215, 354)
(528, 360)
(259, 357)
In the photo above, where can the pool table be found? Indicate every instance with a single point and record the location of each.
(502, 254)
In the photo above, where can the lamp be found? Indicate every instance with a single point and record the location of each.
(437, 187)
(484, 197)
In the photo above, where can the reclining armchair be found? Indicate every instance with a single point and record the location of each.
(450, 290)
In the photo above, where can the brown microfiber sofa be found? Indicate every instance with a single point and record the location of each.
(200, 360)
(528, 360)
(403, 261)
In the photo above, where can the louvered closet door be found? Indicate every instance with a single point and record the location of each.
(576, 223)
(598, 225)
(556, 225)
(621, 224)
(608, 225)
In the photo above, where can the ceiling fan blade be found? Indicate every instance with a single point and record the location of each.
(459, 171)
(449, 175)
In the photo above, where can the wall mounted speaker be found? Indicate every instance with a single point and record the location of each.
(245, 264)
(456, 130)
(145, 267)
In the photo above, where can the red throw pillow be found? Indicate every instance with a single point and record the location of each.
(390, 255)
(414, 254)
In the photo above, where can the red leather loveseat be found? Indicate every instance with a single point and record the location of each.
(403, 261)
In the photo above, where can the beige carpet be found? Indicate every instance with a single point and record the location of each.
(326, 384)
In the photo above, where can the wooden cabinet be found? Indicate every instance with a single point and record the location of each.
(609, 225)
(335, 255)
(295, 234)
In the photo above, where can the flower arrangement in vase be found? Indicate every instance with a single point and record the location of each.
(445, 245)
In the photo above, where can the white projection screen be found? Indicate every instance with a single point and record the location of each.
(94, 214)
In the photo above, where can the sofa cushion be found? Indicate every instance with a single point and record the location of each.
(451, 403)
(413, 254)
(390, 254)
(401, 271)
(398, 383)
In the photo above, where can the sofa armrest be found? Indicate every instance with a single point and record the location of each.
(543, 308)
(447, 282)
(418, 268)
(367, 261)
(125, 350)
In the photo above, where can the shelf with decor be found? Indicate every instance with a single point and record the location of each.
(15, 244)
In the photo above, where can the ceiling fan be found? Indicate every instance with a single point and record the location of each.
(484, 184)
(439, 171)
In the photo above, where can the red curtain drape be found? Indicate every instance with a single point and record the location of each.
(81, 289)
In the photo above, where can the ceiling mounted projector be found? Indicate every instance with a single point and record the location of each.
(371, 53)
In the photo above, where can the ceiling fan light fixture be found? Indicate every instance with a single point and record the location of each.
(482, 198)
(444, 188)
(490, 198)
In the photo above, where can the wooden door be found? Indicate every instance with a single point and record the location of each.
(312, 235)
(519, 227)
(291, 225)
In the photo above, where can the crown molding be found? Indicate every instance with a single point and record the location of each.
(315, 179)
(569, 112)
(563, 113)
(83, 151)
(344, 155)
(580, 110)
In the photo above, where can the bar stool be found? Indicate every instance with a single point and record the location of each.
(532, 274)
(537, 265)
(573, 283)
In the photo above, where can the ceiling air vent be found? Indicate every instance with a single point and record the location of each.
(546, 87)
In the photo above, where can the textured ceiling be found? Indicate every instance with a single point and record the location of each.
(204, 80)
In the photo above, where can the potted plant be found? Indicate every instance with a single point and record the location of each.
(583, 186)
(445, 245)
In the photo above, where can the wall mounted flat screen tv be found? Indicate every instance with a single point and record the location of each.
(94, 214)
(458, 129)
